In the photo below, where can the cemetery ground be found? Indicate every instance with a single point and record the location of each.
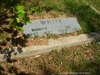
(87, 17)
(83, 59)
(77, 60)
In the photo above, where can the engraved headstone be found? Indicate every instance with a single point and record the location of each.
(53, 26)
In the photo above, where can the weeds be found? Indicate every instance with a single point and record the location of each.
(88, 19)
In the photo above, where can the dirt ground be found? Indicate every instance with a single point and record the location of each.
(80, 58)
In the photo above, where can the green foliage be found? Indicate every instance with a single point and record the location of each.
(34, 9)
(52, 5)
(20, 17)
(20, 13)
(17, 9)
(20, 8)
(88, 18)
(95, 3)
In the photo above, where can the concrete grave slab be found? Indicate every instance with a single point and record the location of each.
(55, 44)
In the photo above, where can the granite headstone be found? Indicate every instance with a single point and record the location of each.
(53, 26)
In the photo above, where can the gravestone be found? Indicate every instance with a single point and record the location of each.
(52, 26)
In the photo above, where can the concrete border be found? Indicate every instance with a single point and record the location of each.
(56, 44)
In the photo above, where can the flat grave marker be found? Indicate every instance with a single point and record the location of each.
(52, 26)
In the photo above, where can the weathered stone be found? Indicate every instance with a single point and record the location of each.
(53, 26)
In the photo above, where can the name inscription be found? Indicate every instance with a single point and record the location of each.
(38, 29)
(53, 21)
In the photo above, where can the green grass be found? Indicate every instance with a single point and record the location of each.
(88, 18)
(95, 3)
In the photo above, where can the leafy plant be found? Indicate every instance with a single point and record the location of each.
(20, 13)
(20, 17)
(17, 11)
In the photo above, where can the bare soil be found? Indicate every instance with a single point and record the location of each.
(80, 58)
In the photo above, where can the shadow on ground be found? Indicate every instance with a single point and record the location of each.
(11, 40)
